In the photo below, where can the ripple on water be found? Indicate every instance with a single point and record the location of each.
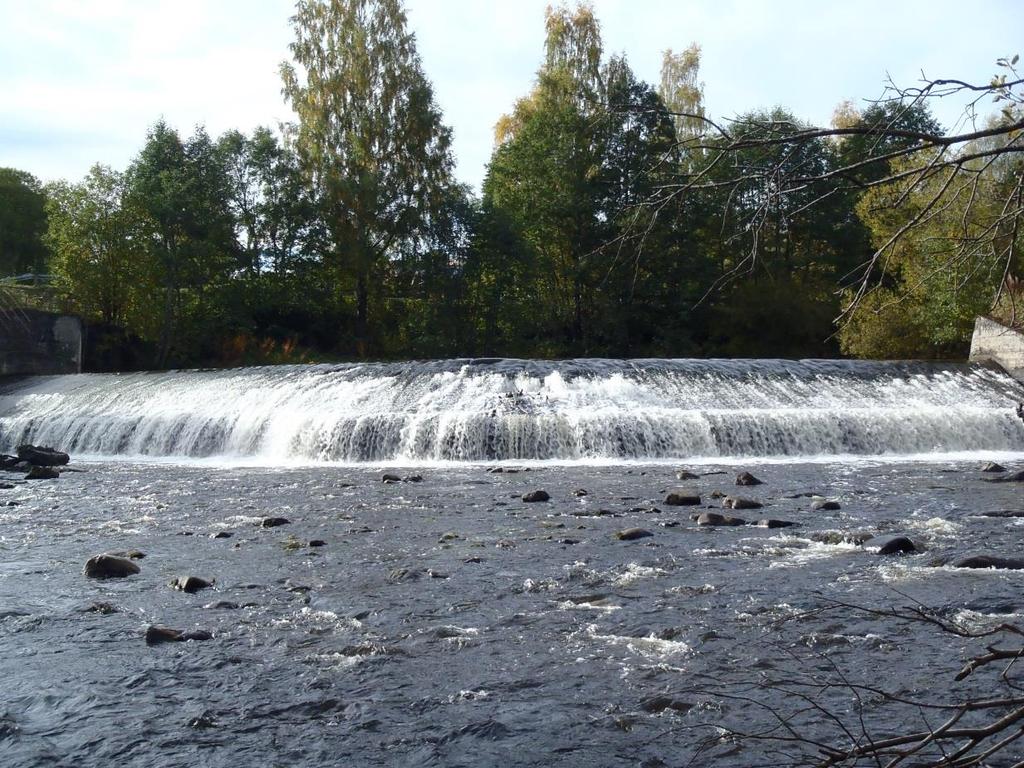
(650, 647)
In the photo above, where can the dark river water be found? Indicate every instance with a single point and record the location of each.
(448, 623)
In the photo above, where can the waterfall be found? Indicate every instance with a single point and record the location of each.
(481, 410)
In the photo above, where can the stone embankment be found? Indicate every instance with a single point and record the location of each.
(994, 342)
(33, 343)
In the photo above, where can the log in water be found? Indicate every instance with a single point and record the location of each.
(481, 410)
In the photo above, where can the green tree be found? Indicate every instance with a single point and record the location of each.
(182, 190)
(544, 173)
(782, 249)
(570, 185)
(22, 223)
(98, 245)
(936, 276)
(501, 275)
(271, 204)
(888, 127)
(370, 137)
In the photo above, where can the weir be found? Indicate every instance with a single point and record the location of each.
(486, 410)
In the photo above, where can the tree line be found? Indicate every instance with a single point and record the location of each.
(614, 220)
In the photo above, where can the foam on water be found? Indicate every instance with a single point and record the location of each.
(466, 411)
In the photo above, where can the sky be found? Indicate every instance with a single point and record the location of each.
(82, 80)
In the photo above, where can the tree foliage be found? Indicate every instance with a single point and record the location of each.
(370, 139)
(22, 223)
(616, 218)
(99, 248)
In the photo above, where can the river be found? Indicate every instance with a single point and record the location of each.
(447, 622)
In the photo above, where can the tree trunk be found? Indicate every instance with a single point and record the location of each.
(362, 313)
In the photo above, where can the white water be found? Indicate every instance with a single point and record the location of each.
(512, 410)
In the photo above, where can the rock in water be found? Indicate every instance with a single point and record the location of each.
(537, 495)
(41, 456)
(274, 522)
(825, 506)
(771, 523)
(156, 635)
(993, 467)
(683, 498)
(109, 567)
(683, 474)
(738, 502)
(632, 534)
(713, 518)
(42, 473)
(988, 561)
(893, 545)
(745, 478)
(190, 584)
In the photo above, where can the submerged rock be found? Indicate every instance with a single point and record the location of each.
(683, 474)
(772, 523)
(156, 635)
(993, 467)
(825, 506)
(841, 537)
(1016, 477)
(131, 554)
(41, 456)
(389, 478)
(682, 498)
(534, 496)
(274, 522)
(104, 609)
(400, 575)
(658, 704)
(990, 561)
(632, 534)
(42, 473)
(190, 584)
(738, 502)
(1003, 513)
(108, 566)
(745, 478)
(714, 518)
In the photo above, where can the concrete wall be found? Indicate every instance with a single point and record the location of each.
(995, 343)
(35, 342)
